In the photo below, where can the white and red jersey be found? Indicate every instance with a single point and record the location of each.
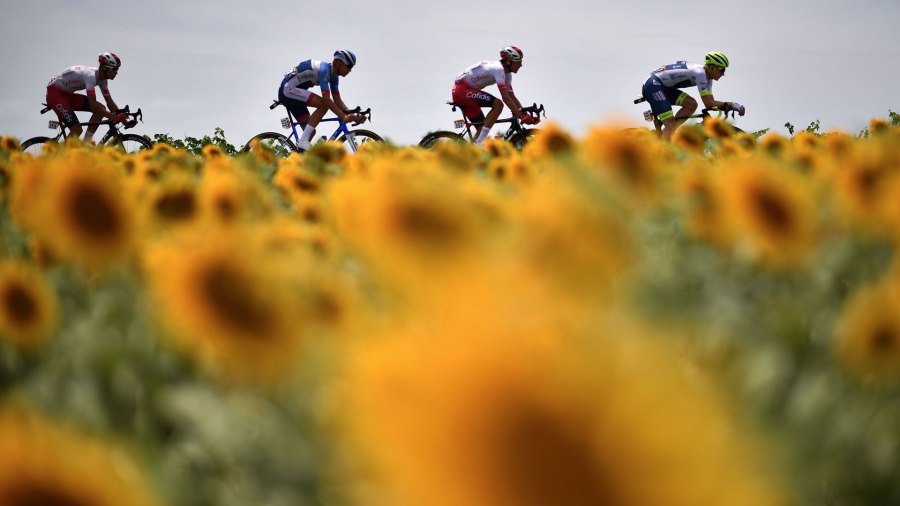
(79, 78)
(485, 74)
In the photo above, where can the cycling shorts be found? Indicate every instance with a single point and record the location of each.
(64, 104)
(471, 100)
(295, 99)
(661, 97)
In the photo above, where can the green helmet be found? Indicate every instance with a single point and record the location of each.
(718, 59)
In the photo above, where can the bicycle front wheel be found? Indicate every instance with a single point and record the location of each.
(278, 144)
(36, 145)
(130, 143)
(432, 140)
(360, 137)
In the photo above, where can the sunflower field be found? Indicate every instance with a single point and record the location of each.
(607, 320)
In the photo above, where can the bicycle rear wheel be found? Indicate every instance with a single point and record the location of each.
(35, 145)
(278, 144)
(130, 143)
(431, 140)
(360, 138)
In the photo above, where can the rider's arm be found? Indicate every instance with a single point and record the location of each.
(335, 105)
(710, 103)
(109, 100)
(509, 98)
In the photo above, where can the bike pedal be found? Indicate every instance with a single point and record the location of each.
(648, 115)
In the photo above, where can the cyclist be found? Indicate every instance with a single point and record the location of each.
(295, 95)
(467, 91)
(661, 90)
(61, 96)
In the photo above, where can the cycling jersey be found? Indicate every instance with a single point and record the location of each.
(311, 73)
(682, 74)
(484, 74)
(79, 78)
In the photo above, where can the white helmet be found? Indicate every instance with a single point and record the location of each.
(511, 53)
(110, 60)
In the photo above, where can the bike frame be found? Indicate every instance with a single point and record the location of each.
(514, 125)
(341, 129)
(64, 130)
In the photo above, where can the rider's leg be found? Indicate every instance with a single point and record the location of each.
(496, 109)
(319, 110)
(688, 107)
(95, 118)
(670, 124)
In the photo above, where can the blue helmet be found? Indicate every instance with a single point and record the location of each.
(345, 56)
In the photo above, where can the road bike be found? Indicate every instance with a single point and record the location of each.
(114, 137)
(703, 116)
(284, 145)
(516, 134)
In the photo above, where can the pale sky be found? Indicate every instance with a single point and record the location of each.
(194, 65)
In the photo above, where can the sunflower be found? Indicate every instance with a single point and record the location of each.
(82, 213)
(772, 212)
(773, 144)
(237, 315)
(550, 141)
(47, 464)
(212, 151)
(717, 128)
(28, 307)
(868, 334)
(690, 138)
(9, 143)
(451, 414)
(406, 215)
(571, 236)
(630, 158)
(704, 209)
(861, 187)
(170, 202)
(879, 126)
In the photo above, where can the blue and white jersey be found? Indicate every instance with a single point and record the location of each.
(311, 73)
(682, 74)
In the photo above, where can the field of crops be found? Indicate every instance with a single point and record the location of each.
(606, 320)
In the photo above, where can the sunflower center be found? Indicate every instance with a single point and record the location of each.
(176, 205)
(93, 214)
(426, 225)
(37, 496)
(229, 294)
(548, 463)
(884, 340)
(19, 304)
(775, 214)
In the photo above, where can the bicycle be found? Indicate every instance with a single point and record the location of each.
(114, 137)
(516, 134)
(703, 116)
(283, 145)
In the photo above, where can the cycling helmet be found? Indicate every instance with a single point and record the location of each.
(345, 56)
(110, 60)
(511, 53)
(718, 59)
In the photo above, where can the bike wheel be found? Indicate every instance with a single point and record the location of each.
(278, 144)
(35, 145)
(431, 140)
(360, 138)
(519, 140)
(130, 143)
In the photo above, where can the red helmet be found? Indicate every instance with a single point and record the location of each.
(110, 60)
(511, 53)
